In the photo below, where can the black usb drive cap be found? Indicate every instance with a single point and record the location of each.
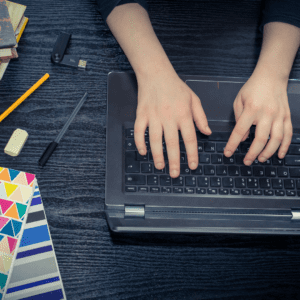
(58, 56)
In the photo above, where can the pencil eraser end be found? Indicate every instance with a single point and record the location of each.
(16, 142)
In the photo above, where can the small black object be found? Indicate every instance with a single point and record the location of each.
(58, 57)
(47, 153)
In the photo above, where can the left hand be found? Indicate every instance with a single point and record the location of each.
(262, 101)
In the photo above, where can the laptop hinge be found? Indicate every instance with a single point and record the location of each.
(134, 211)
(296, 214)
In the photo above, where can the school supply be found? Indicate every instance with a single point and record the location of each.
(16, 192)
(19, 21)
(36, 273)
(23, 97)
(16, 142)
(222, 195)
(52, 146)
(58, 56)
(7, 33)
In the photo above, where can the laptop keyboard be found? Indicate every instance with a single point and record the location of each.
(216, 174)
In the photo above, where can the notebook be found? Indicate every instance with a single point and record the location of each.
(36, 274)
(7, 33)
(16, 191)
(222, 195)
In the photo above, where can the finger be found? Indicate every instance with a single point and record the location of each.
(155, 138)
(140, 126)
(172, 144)
(274, 142)
(199, 115)
(262, 132)
(241, 128)
(287, 138)
(189, 137)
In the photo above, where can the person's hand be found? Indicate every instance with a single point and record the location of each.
(262, 101)
(166, 104)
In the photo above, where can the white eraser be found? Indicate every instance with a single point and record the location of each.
(16, 142)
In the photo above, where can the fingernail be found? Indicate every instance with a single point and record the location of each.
(142, 151)
(207, 129)
(262, 159)
(248, 162)
(173, 172)
(228, 153)
(282, 154)
(193, 165)
(159, 165)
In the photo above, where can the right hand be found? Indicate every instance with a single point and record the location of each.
(167, 104)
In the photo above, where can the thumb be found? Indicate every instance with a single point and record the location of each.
(238, 109)
(199, 115)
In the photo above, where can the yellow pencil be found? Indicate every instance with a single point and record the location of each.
(23, 97)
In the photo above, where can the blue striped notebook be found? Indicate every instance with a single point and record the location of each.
(35, 273)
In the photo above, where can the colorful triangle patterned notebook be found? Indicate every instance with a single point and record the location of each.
(16, 192)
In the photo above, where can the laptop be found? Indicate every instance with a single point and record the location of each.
(222, 195)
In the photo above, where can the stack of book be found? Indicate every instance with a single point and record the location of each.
(12, 25)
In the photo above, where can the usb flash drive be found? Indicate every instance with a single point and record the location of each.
(58, 54)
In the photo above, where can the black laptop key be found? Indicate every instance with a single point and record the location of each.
(209, 170)
(265, 183)
(289, 183)
(152, 179)
(134, 179)
(277, 161)
(282, 172)
(132, 167)
(203, 181)
(165, 180)
(292, 161)
(268, 192)
(221, 170)
(240, 182)
(294, 172)
(182, 158)
(216, 158)
(166, 190)
(178, 181)
(182, 146)
(190, 181)
(228, 160)
(129, 132)
(184, 169)
(257, 192)
(294, 149)
(140, 157)
(279, 192)
(227, 182)
(246, 171)
(130, 189)
(252, 183)
(201, 191)
(233, 171)
(204, 158)
(291, 193)
(130, 144)
(189, 190)
(146, 168)
(223, 191)
(215, 181)
(270, 171)
(234, 191)
(239, 159)
(159, 171)
(296, 138)
(197, 171)
(209, 147)
(143, 189)
(220, 147)
(277, 183)
(246, 192)
(200, 147)
(219, 136)
(154, 189)
(245, 147)
(258, 171)
(177, 190)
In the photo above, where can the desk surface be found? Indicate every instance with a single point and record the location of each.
(200, 37)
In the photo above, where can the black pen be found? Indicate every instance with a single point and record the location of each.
(51, 147)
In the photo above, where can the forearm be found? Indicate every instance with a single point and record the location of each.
(279, 48)
(131, 26)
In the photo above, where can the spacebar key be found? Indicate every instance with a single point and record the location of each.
(135, 179)
(219, 136)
